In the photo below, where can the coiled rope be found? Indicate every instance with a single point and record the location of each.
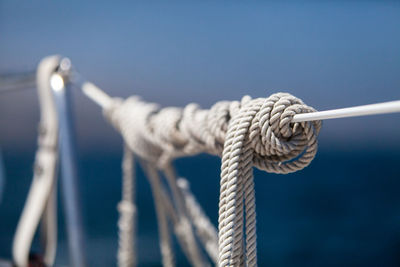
(253, 132)
(260, 134)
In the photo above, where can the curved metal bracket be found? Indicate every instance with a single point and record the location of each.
(41, 201)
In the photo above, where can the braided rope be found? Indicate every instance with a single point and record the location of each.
(127, 209)
(253, 132)
(184, 227)
(163, 207)
(166, 210)
(260, 134)
(205, 230)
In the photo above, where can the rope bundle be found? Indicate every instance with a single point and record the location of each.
(259, 134)
(253, 132)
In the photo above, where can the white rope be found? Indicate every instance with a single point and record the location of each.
(159, 135)
(277, 134)
(164, 208)
(127, 210)
(273, 134)
(184, 226)
(205, 230)
(104, 100)
(254, 132)
(261, 133)
(181, 224)
(160, 202)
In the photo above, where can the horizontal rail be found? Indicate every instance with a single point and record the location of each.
(104, 100)
(365, 110)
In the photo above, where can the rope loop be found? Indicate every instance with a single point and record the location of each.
(159, 135)
(261, 134)
(281, 146)
(252, 132)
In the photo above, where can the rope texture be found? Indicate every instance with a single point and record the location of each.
(167, 211)
(163, 208)
(253, 132)
(127, 210)
(205, 230)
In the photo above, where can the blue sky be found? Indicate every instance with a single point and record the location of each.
(330, 54)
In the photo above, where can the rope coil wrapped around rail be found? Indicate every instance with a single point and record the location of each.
(253, 132)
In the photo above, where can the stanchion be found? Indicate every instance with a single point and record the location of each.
(68, 165)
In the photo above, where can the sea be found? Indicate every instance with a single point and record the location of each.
(342, 210)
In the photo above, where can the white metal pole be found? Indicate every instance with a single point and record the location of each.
(69, 182)
(373, 109)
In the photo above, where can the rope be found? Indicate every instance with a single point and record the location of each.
(206, 232)
(260, 134)
(127, 209)
(162, 205)
(253, 132)
(181, 222)
(184, 227)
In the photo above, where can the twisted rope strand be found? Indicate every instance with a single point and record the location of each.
(127, 209)
(166, 210)
(253, 132)
(160, 201)
(206, 232)
(184, 226)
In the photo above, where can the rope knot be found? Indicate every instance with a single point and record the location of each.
(279, 145)
(264, 124)
(277, 113)
(261, 133)
(252, 132)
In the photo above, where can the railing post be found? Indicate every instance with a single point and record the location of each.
(69, 187)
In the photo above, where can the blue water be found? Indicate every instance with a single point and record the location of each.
(343, 210)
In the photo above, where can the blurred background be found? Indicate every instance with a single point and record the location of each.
(343, 210)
